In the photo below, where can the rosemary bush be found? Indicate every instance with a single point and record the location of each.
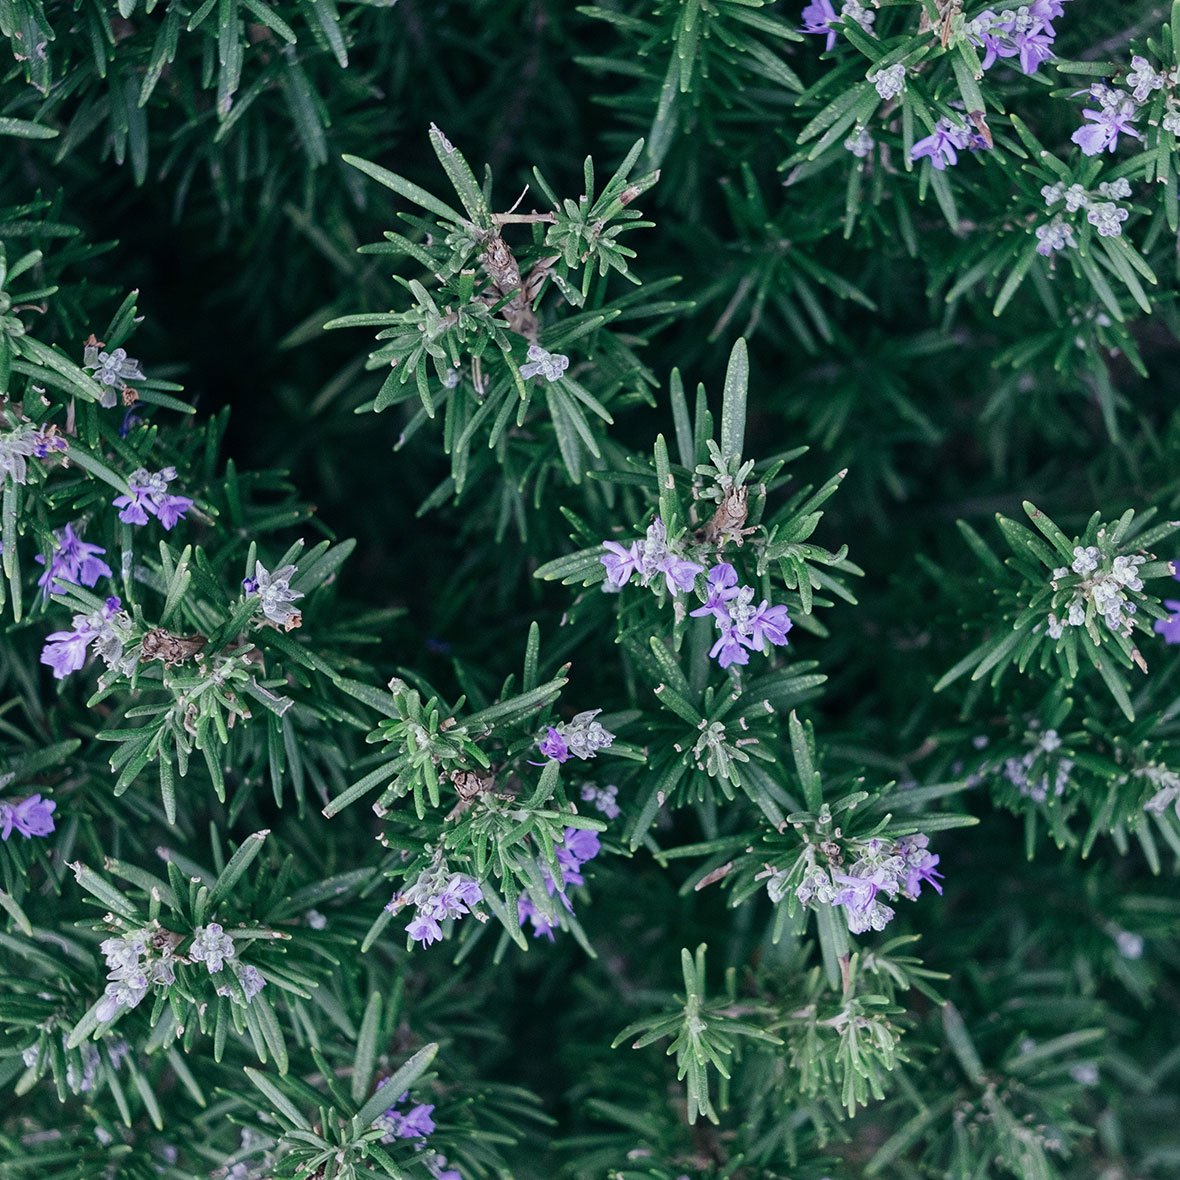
(587, 591)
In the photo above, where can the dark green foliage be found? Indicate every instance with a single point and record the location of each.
(623, 265)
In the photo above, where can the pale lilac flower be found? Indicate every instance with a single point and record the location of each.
(621, 562)
(1107, 218)
(1130, 945)
(582, 737)
(860, 143)
(75, 561)
(455, 899)
(111, 368)
(1143, 79)
(30, 817)
(862, 910)
(889, 82)
(1053, 236)
(149, 496)
(1114, 118)
(275, 595)
(252, 981)
(942, 145)
(424, 929)
(551, 365)
(1052, 193)
(16, 448)
(603, 799)
(439, 895)
(1118, 190)
(212, 946)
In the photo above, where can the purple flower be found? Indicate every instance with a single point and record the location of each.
(417, 1123)
(620, 562)
(1106, 125)
(46, 442)
(65, 651)
(526, 911)
(679, 573)
(31, 817)
(729, 649)
(150, 496)
(941, 144)
(820, 17)
(424, 929)
(554, 746)
(577, 847)
(456, 898)
(1169, 628)
(604, 799)
(1034, 47)
(75, 561)
(768, 624)
(920, 865)
(722, 584)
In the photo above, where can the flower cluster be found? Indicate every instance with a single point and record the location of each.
(1025, 34)
(1102, 590)
(112, 369)
(577, 847)
(647, 559)
(1032, 774)
(603, 799)
(1114, 115)
(1103, 212)
(889, 82)
(74, 561)
(30, 817)
(437, 896)
(417, 1123)
(882, 868)
(860, 143)
(23, 443)
(150, 497)
(82, 1064)
(275, 595)
(107, 629)
(820, 18)
(580, 738)
(1167, 789)
(945, 142)
(550, 365)
(135, 961)
(743, 626)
